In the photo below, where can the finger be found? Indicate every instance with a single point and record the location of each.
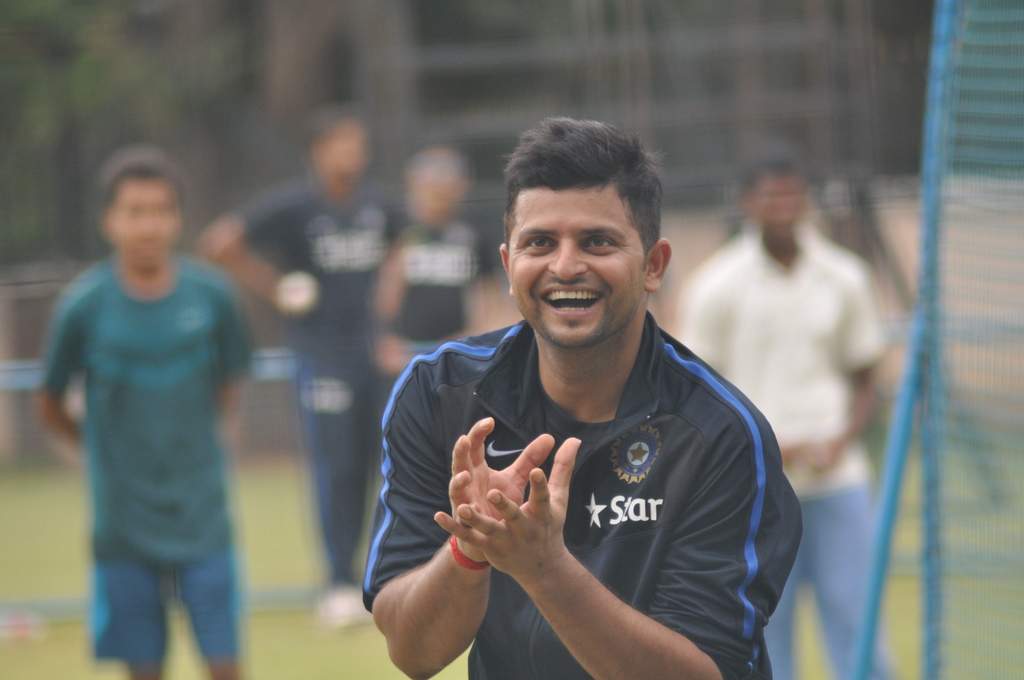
(458, 487)
(534, 455)
(508, 509)
(463, 532)
(460, 455)
(539, 503)
(468, 516)
(477, 434)
(562, 469)
(446, 522)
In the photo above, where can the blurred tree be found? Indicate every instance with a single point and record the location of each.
(226, 85)
(300, 62)
(902, 42)
(80, 78)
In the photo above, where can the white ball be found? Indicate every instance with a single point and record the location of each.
(296, 293)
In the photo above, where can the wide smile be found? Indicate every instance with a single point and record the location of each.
(571, 301)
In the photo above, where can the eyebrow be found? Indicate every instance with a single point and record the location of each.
(533, 232)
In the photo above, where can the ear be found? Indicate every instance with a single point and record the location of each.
(657, 260)
(105, 226)
(503, 251)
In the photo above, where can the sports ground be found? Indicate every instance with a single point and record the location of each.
(43, 530)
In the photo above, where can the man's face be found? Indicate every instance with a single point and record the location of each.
(434, 197)
(776, 203)
(577, 267)
(341, 155)
(143, 222)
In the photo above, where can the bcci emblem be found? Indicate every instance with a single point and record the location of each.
(632, 462)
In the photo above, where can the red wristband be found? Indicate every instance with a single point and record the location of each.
(462, 560)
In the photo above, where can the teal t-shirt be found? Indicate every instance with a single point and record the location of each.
(153, 370)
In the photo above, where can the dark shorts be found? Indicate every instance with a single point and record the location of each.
(129, 608)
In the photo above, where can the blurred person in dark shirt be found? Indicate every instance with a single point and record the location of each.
(313, 249)
(432, 290)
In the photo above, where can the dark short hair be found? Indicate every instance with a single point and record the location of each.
(140, 161)
(326, 119)
(772, 159)
(565, 153)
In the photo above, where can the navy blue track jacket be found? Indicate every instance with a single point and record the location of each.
(681, 509)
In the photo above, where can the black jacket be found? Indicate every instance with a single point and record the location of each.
(681, 509)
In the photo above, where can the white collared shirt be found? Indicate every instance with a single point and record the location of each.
(789, 339)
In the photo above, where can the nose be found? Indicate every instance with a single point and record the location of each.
(148, 222)
(152, 222)
(149, 229)
(566, 262)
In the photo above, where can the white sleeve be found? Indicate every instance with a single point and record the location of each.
(863, 340)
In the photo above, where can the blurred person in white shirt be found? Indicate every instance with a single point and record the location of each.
(790, 318)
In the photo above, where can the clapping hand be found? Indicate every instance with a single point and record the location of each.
(489, 518)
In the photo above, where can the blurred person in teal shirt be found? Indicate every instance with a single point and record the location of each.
(161, 344)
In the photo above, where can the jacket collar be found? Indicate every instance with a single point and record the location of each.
(511, 386)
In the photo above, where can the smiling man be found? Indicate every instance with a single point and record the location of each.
(656, 541)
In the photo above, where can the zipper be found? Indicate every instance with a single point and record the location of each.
(538, 619)
(584, 456)
(589, 449)
(493, 412)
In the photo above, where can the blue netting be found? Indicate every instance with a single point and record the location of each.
(975, 404)
(965, 365)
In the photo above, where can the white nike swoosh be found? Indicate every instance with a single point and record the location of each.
(497, 453)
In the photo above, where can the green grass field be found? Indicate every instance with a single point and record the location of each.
(43, 520)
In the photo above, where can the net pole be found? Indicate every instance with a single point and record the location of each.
(896, 453)
(933, 165)
(921, 354)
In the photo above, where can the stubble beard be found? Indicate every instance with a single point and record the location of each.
(607, 330)
(592, 339)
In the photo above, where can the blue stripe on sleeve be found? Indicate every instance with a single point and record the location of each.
(385, 465)
(749, 551)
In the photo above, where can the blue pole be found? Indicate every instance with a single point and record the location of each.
(896, 451)
(937, 118)
(921, 354)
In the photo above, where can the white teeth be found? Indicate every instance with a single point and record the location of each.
(571, 295)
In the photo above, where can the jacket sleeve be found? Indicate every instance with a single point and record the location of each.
(862, 340)
(732, 549)
(415, 476)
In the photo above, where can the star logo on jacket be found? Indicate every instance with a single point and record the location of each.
(624, 509)
(595, 511)
(634, 454)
